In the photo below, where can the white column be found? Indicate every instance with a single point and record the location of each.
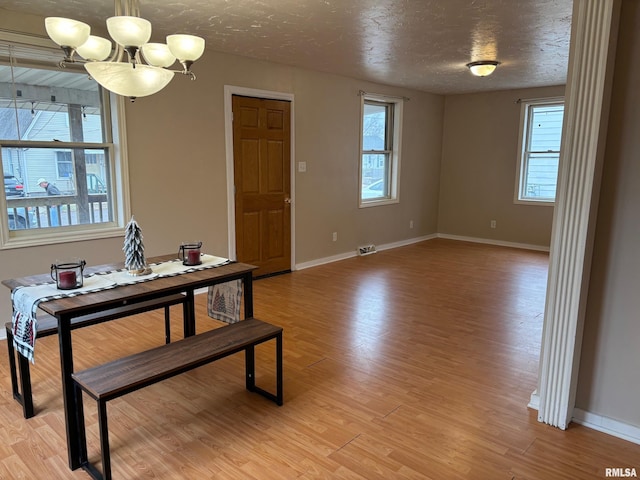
(593, 35)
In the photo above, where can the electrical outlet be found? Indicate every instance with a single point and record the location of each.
(493, 224)
(335, 236)
(410, 223)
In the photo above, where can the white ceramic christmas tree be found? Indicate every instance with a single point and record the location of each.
(134, 250)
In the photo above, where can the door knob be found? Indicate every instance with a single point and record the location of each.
(287, 200)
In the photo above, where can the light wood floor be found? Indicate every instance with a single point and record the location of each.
(414, 363)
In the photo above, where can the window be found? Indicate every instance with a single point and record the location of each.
(58, 126)
(65, 165)
(380, 150)
(540, 134)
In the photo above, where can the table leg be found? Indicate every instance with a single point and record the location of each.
(248, 294)
(189, 314)
(72, 409)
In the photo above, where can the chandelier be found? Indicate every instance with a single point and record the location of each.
(135, 68)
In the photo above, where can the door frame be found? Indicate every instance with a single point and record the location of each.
(229, 92)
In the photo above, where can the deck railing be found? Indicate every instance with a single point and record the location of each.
(58, 211)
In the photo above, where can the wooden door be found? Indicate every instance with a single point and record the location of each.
(262, 175)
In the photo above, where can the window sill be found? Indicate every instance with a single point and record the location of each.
(377, 202)
(49, 237)
(541, 203)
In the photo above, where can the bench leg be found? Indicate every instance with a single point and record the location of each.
(82, 432)
(250, 372)
(280, 392)
(250, 368)
(104, 440)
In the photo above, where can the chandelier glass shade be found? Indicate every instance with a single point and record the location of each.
(144, 70)
(124, 79)
(95, 49)
(67, 32)
(129, 31)
(158, 54)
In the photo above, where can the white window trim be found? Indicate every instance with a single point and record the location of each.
(394, 173)
(524, 104)
(119, 172)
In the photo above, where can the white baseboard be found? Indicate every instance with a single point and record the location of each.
(322, 261)
(343, 256)
(534, 401)
(600, 423)
(488, 241)
(404, 243)
(607, 425)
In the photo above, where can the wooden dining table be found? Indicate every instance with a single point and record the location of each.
(69, 307)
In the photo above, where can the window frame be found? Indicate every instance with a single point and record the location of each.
(524, 136)
(393, 140)
(114, 145)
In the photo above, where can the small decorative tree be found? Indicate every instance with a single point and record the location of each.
(134, 250)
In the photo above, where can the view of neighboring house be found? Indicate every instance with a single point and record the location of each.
(50, 123)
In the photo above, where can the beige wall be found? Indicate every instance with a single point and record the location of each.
(479, 159)
(609, 377)
(177, 165)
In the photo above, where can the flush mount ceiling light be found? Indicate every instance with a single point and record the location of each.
(144, 70)
(483, 68)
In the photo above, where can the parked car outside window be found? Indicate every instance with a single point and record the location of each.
(17, 221)
(17, 216)
(375, 190)
(95, 184)
(13, 187)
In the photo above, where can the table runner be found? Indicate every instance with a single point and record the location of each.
(26, 299)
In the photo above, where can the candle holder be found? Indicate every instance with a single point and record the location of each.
(68, 275)
(189, 253)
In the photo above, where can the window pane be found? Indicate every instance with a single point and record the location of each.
(541, 176)
(539, 148)
(60, 181)
(64, 164)
(374, 176)
(546, 128)
(49, 106)
(374, 127)
(59, 200)
(379, 157)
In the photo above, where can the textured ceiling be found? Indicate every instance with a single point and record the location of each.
(419, 44)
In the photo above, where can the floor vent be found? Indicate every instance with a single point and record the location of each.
(366, 250)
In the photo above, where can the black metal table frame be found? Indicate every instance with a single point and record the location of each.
(76, 444)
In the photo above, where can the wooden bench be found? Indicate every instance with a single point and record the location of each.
(48, 325)
(125, 375)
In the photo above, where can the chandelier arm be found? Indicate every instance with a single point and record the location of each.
(131, 8)
(135, 7)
